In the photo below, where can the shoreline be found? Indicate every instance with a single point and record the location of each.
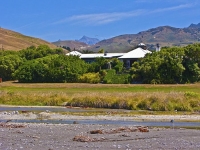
(58, 116)
(53, 115)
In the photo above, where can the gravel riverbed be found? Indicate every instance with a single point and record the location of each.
(32, 136)
(47, 136)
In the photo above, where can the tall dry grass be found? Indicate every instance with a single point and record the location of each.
(156, 101)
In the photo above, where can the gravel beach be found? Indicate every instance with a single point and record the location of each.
(94, 137)
(75, 136)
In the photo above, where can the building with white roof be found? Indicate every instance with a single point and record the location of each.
(128, 58)
(91, 57)
(132, 56)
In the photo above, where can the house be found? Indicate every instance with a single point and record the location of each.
(91, 57)
(128, 58)
(132, 56)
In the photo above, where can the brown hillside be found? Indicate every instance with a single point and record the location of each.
(71, 44)
(10, 40)
(164, 35)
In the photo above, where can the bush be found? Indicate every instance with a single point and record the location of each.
(112, 78)
(183, 107)
(90, 78)
(194, 103)
(143, 105)
(191, 95)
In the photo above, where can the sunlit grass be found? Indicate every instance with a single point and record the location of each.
(120, 96)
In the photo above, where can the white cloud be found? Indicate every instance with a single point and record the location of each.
(102, 18)
(105, 18)
(172, 8)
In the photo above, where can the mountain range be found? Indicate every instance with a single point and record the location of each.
(73, 45)
(88, 40)
(81, 44)
(164, 35)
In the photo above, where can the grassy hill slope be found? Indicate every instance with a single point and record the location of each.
(10, 40)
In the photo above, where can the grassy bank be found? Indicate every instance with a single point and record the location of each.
(126, 96)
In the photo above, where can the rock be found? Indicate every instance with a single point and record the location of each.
(96, 132)
(143, 129)
(81, 138)
(75, 122)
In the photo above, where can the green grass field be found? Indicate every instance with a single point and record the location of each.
(181, 97)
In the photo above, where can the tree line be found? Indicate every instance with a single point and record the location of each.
(42, 64)
(169, 66)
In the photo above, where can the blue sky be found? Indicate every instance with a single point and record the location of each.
(52, 20)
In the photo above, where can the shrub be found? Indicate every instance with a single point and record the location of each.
(191, 95)
(194, 103)
(143, 105)
(90, 78)
(112, 78)
(183, 107)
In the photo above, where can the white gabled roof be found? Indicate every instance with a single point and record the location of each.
(76, 53)
(91, 55)
(108, 55)
(136, 53)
